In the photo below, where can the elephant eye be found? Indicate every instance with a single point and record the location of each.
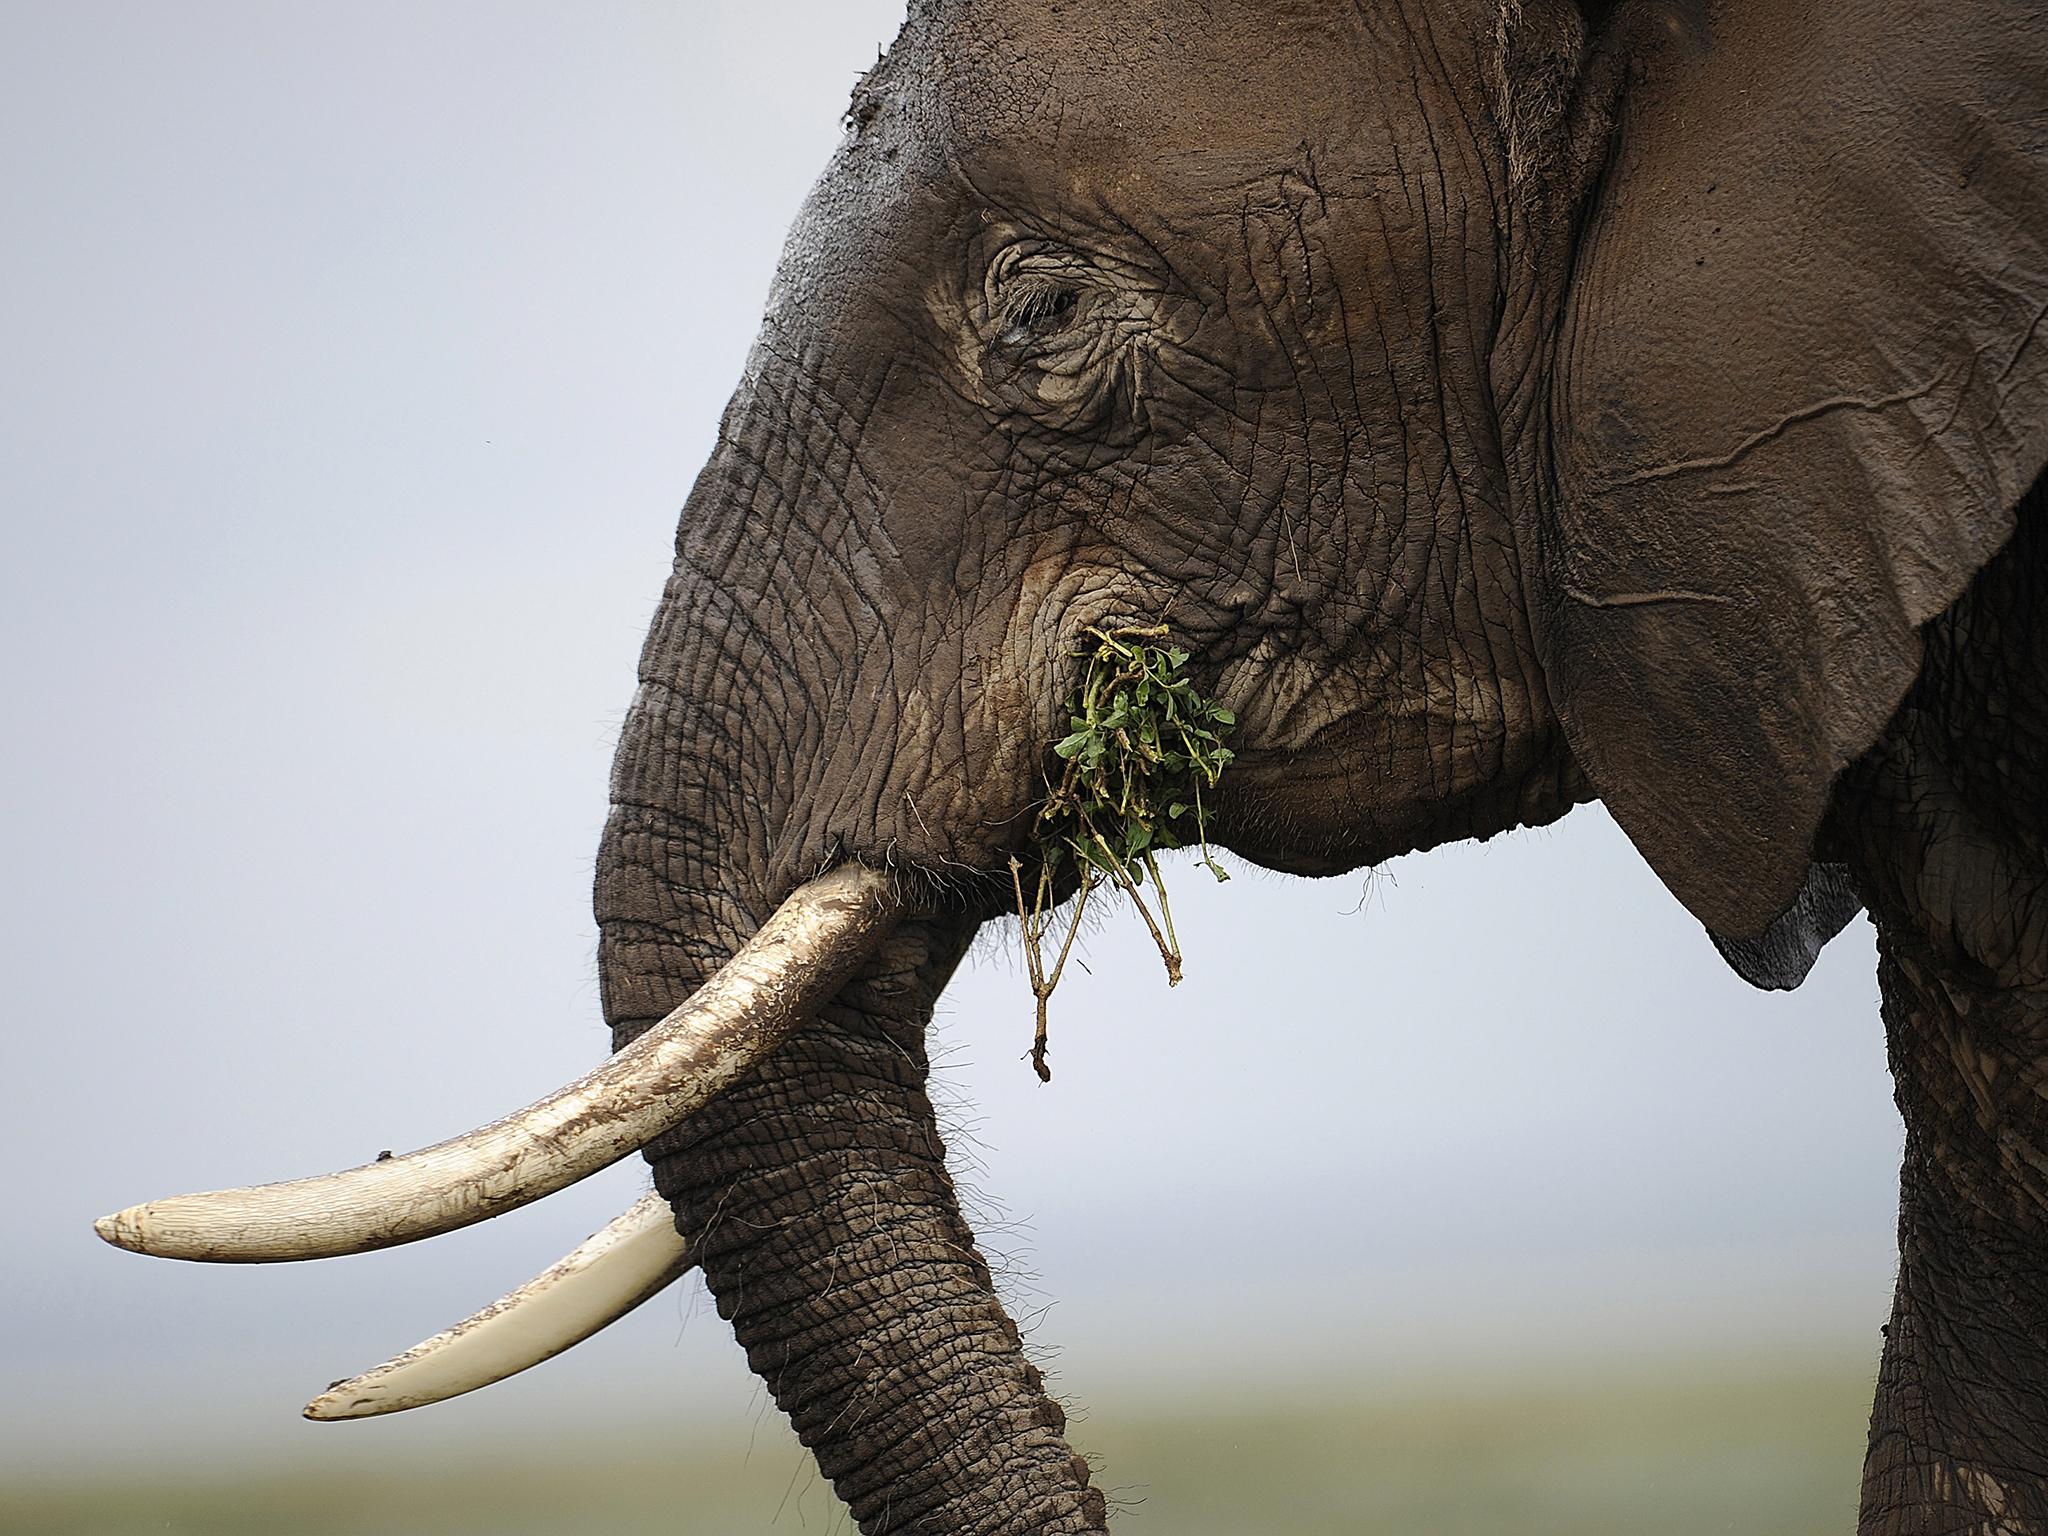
(1038, 309)
(1057, 338)
(1034, 292)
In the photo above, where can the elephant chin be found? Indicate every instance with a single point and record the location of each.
(815, 1197)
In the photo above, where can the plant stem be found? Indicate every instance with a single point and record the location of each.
(1130, 888)
(1166, 917)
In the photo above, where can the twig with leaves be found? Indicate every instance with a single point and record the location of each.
(1142, 746)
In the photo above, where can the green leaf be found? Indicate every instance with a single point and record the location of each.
(1141, 746)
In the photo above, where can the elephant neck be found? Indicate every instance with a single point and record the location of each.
(1945, 820)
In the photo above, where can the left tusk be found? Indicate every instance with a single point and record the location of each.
(779, 979)
(631, 1260)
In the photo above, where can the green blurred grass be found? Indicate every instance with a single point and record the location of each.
(1762, 1450)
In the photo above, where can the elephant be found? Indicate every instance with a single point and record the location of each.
(1504, 405)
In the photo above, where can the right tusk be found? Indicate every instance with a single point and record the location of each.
(635, 1258)
(780, 978)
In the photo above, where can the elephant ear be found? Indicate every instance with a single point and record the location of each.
(1779, 958)
(1802, 380)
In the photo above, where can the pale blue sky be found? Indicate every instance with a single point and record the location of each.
(355, 360)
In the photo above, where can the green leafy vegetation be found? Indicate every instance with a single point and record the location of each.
(1142, 747)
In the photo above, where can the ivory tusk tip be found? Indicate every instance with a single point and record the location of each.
(338, 1403)
(632, 1259)
(126, 1229)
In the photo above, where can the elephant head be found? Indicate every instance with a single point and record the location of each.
(1503, 403)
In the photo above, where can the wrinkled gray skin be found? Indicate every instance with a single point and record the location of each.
(1507, 404)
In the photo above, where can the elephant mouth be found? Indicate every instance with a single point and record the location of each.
(794, 964)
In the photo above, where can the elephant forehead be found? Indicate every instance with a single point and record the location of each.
(1130, 84)
(1153, 128)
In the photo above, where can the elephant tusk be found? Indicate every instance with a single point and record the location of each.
(781, 977)
(632, 1260)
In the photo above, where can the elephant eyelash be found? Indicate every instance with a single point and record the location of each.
(1039, 309)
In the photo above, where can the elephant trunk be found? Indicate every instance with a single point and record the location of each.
(813, 1193)
(815, 1197)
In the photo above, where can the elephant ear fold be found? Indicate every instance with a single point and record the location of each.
(1779, 958)
(1802, 378)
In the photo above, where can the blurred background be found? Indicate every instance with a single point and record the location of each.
(354, 360)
